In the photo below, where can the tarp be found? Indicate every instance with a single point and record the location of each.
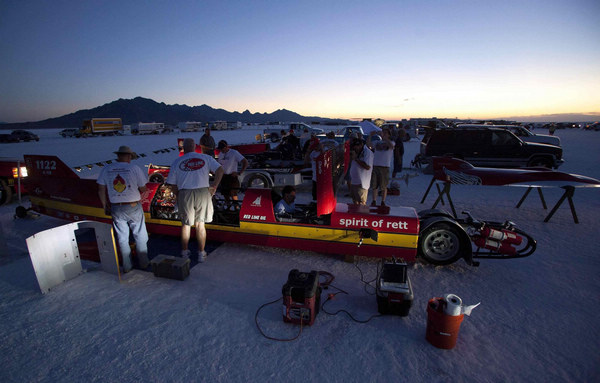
(368, 127)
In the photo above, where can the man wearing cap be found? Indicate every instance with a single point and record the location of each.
(124, 182)
(190, 177)
(360, 171)
(230, 185)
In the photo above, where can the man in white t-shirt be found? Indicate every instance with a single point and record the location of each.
(124, 182)
(230, 184)
(382, 159)
(190, 176)
(360, 171)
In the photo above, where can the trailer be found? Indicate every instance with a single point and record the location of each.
(101, 127)
(147, 128)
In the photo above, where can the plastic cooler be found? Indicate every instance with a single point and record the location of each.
(442, 329)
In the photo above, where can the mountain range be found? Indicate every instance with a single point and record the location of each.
(142, 109)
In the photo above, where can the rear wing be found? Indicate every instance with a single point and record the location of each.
(47, 166)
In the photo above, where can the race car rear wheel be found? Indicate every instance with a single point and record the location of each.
(440, 244)
(258, 181)
(5, 192)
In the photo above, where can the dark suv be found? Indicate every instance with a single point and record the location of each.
(490, 147)
(25, 135)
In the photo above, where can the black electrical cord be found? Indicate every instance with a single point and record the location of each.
(270, 337)
(367, 283)
(332, 295)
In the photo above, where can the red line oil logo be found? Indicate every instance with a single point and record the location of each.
(192, 164)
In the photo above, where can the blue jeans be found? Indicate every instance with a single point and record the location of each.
(125, 218)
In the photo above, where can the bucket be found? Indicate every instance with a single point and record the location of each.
(442, 329)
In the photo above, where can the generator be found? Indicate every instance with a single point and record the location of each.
(301, 297)
(394, 291)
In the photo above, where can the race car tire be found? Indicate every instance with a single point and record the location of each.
(440, 244)
(5, 192)
(257, 181)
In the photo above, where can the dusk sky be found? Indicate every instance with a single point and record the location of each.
(347, 59)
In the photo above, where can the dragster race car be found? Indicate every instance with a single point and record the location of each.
(325, 227)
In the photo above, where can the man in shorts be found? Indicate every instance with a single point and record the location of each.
(382, 159)
(230, 185)
(190, 177)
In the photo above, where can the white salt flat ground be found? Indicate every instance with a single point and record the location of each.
(538, 319)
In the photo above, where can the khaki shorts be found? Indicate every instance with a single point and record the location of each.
(380, 178)
(195, 205)
(358, 194)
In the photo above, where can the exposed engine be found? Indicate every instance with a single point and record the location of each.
(164, 204)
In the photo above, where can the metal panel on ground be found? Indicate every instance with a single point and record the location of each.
(55, 255)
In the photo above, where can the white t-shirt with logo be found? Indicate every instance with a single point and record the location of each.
(192, 171)
(384, 154)
(358, 174)
(230, 160)
(122, 180)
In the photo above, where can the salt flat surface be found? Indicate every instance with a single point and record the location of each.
(538, 319)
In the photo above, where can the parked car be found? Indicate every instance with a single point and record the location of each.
(25, 135)
(6, 138)
(70, 132)
(489, 147)
(520, 131)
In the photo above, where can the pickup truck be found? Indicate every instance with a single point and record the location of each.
(9, 178)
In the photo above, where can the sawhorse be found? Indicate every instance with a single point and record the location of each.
(440, 198)
(568, 194)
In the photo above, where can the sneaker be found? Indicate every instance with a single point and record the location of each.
(201, 256)
(373, 203)
(185, 254)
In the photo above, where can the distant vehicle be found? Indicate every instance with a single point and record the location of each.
(70, 132)
(101, 127)
(521, 132)
(189, 126)
(9, 175)
(25, 135)
(273, 132)
(7, 138)
(489, 147)
(147, 128)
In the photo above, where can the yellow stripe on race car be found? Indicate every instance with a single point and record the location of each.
(283, 230)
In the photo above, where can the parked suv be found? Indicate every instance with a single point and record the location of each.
(490, 147)
(25, 135)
